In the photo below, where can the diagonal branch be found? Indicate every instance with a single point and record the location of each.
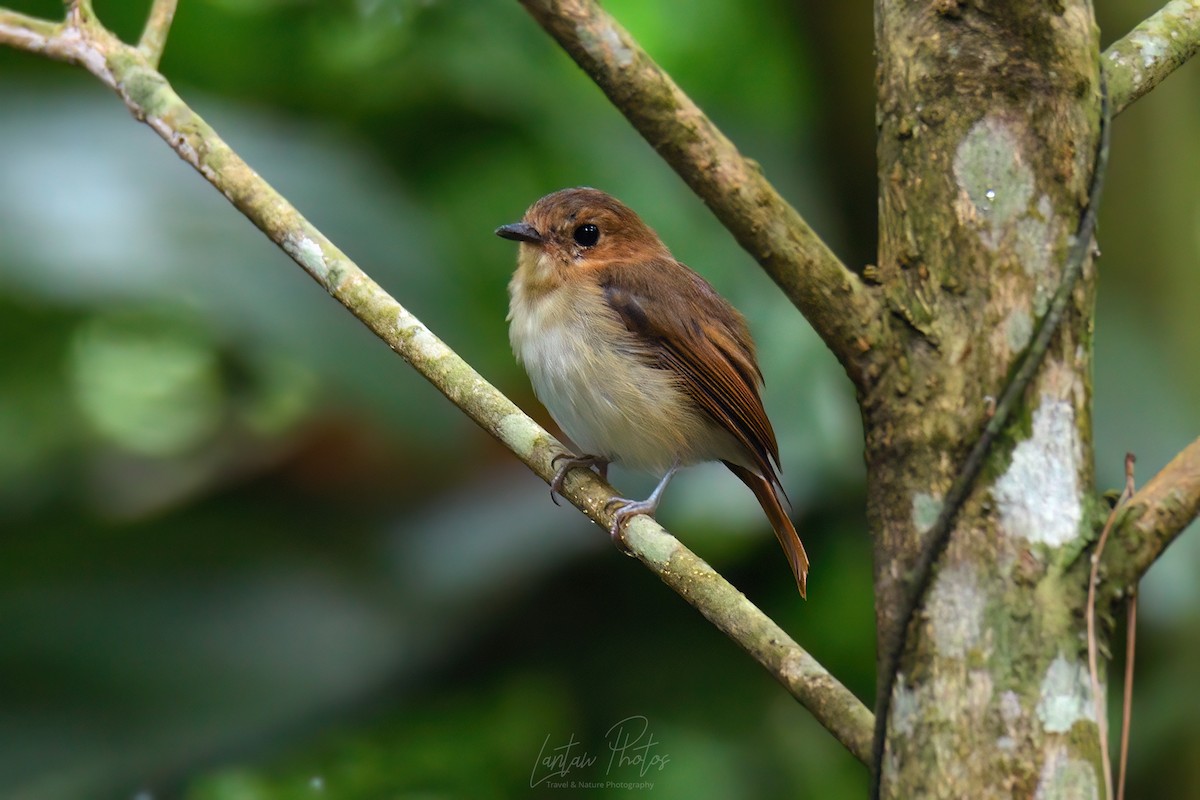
(1141, 59)
(151, 99)
(831, 703)
(1153, 518)
(831, 297)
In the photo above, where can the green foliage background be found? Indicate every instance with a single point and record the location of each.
(246, 553)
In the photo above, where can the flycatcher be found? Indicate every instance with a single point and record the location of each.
(637, 358)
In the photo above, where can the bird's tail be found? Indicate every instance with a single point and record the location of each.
(785, 531)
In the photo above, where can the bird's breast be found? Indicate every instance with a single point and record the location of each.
(602, 385)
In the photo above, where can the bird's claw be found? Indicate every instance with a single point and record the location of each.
(622, 510)
(570, 462)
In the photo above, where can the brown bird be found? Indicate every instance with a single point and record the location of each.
(637, 358)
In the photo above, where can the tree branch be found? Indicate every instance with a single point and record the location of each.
(1153, 518)
(831, 297)
(831, 703)
(24, 32)
(154, 35)
(151, 99)
(1141, 59)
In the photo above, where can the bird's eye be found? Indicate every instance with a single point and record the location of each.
(586, 235)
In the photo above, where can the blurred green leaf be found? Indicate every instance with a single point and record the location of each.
(148, 384)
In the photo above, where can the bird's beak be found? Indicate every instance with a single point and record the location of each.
(519, 232)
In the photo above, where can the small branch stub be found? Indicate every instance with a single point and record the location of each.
(154, 36)
(1153, 518)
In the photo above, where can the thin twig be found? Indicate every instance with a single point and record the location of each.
(1090, 613)
(1127, 701)
(1140, 60)
(154, 35)
(830, 296)
(151, 99)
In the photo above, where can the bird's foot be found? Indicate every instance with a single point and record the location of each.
(622, 510)
(570, 462)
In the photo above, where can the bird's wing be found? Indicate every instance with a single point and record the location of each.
(688, 328)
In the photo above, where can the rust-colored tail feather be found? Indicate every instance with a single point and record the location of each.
(785, 531)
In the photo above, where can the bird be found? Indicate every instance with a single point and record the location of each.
(637, 358)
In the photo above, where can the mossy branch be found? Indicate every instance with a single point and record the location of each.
(1153, 518)
(125, 69)
(1140, 60)
(833, 299)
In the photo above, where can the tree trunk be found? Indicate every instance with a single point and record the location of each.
(988, 120)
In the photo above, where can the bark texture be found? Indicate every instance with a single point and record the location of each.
(988, 120)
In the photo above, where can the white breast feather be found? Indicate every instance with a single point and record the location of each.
(609, 403)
